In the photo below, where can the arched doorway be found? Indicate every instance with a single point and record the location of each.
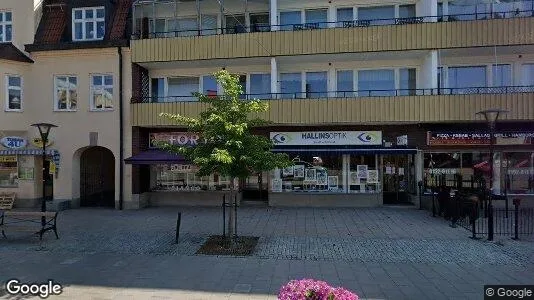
(97, 177)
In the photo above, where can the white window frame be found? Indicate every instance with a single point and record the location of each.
(19, 88)
(3, 25)
(102, 87)
(56, 100)
(85, 21)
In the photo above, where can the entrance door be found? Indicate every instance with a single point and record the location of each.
(397, 179)
(97, 177)
(254, 189)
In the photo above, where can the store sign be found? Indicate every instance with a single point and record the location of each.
(174, 138)
(14, 142)
(8, 158)
(402, 140)
(38, 142)
(183, 168)
(511, 138)
(52, 169)
(443, 171)
(327, 138)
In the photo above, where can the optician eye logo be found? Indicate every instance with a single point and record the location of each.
(281, 138)
(367, 137)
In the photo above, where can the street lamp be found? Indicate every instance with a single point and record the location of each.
(44, 130)
(491, 116)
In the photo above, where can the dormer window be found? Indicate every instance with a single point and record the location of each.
(6, 26)
(88, 24)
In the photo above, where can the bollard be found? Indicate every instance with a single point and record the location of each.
(178, 221)
(516, 221)
(224, 216)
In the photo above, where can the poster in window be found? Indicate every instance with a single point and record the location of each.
(362, 171)
(388, 170)
(311, 175)
(354, 179)
(298, 171)
(321, 178)
(287, 171)
(372, 176)
(276, 185)
(401, 171)
(332, 182)
(276, 173)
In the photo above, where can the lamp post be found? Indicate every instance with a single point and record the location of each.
(44, 131)
(491, 116)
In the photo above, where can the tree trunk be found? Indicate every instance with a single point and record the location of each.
(231, 218)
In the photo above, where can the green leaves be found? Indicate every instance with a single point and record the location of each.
(228, 147)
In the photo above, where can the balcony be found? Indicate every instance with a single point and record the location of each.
(373, 107)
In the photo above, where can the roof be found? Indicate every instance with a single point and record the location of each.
(53, 30)
(11, 52)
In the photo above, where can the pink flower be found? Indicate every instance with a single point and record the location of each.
(309, 289)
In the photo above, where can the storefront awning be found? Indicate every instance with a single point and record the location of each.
(27, 152)
(348, 151)
(154, 157)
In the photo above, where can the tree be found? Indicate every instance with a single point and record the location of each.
(228, 146)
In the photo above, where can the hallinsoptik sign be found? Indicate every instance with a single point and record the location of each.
(327, 138)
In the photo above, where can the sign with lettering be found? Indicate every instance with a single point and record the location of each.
(402, 140)
(443, 171)
(14, 142)
(509, 138)
(174, 138)
(8, 158)
(38, 142)
(327, 138)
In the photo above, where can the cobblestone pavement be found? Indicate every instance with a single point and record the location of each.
(380, 253)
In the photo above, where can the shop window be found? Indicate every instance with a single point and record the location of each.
(8, 171)
(518, 172)
(310, 173)
(184, 178)
(363, 176)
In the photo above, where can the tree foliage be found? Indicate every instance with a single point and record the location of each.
(227, 145)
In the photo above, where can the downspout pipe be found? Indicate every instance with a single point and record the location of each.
(121, 134)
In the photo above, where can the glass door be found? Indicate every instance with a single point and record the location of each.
(397, 181)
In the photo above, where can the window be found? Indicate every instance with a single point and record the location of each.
(316, 18)
(88, 24)
(376, 83)
(463, 79)
(502, 75)
(259, 22)
(518, 172)
(158, 89)
(209, 24)
(209, 85)
(102, 92)
(235, 24)
(8, 171)
(182, 88)
(407, 82)
(158, 30)
(6, 26)
(379, 15)
(13, 93)
(345, 83)
(527, 74)
(260, 86)
(407, 11)
(316, 84)
(344, 16)
(289, 18)
(66, 93)
(291, 85)
(182, 27)
(458, 10)
(358, 179)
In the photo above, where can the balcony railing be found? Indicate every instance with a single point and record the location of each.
(353, 94)
(263, 27)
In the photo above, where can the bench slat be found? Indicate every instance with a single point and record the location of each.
(49, 214)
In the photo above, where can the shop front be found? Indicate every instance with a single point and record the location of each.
(172, 179)
(342, 169)
(20, 168)
(461, 160)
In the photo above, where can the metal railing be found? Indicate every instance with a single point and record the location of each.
(264, 27)
(350, 94)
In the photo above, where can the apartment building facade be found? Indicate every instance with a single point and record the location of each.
(66, 63)
(370, 99)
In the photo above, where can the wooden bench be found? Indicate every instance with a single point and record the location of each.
(28, 221)
(7, 200)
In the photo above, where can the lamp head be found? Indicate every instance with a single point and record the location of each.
(44, 129)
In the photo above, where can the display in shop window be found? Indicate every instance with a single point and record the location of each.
(354, 179)
(287, 171)
(372, 176)
(276, 185)
(26, 173)
(311, 174)
(8, 171)
(332, 183)
(362, 171)
(298, 171)
(321, 177)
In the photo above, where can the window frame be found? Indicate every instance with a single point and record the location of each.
(56, 100)
(20, 88)
(103, 86)
(84, 21)
(3, 26)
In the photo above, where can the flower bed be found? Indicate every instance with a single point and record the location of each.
(309, 289)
